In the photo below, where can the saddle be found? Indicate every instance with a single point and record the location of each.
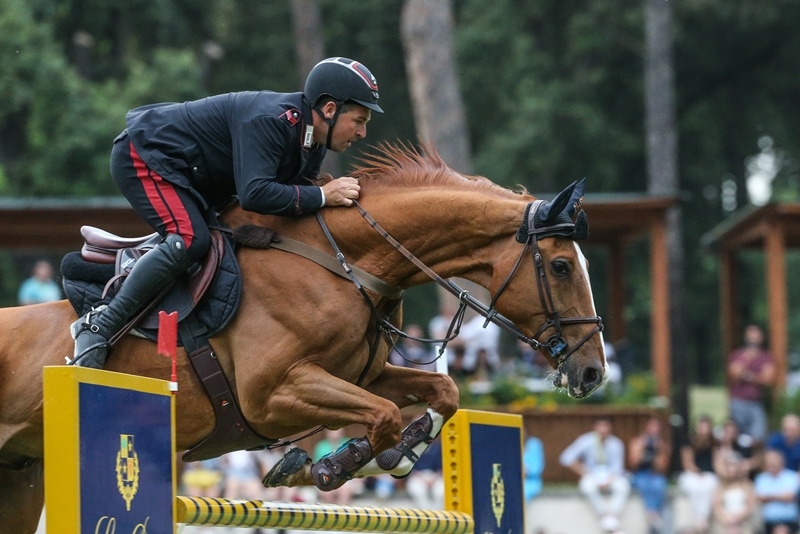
(206, 300)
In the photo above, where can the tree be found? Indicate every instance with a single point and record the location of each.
(310, 45)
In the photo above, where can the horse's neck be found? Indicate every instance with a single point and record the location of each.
(455, 233)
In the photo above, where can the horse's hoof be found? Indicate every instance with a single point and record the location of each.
(333, 470)
(417, 432)
(292, 462)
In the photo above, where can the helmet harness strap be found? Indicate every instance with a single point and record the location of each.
(331, 122)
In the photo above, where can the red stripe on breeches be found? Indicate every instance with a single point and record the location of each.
(164, 199)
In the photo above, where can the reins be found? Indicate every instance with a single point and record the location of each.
(556, 345)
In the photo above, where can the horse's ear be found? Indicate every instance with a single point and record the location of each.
(552, 209)
(577, 196)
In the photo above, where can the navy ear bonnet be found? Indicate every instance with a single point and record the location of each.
(562, 216)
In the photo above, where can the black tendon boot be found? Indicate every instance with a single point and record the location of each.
(154, 271)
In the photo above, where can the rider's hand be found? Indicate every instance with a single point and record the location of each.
(341, 192)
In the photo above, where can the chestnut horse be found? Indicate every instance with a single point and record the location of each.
(301, 338)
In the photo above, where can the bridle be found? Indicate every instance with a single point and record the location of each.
(529, 234)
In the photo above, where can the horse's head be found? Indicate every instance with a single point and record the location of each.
(555, 287)
(430, 216)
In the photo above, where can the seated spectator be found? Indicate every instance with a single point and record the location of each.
(598, 457)
(202, 479)
(40, 287)
(533, 464)
(480, 346)
(331, 441)
(742, 444)
(413, 353)
(787, 441)
(698, 479)
(649, 459)
(425, 484)
(734, 499)
(777, 489)
(615, 380)
(532, 362)
(267, 459)
(242, 472)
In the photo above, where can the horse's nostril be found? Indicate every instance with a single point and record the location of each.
(591, 377)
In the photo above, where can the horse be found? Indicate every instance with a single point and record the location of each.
(304, 336)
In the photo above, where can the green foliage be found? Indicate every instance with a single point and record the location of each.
(508, 390)
(786, 403)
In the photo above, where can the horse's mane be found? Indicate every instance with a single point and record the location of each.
(402, 165)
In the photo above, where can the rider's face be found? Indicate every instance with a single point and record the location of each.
(349, 128)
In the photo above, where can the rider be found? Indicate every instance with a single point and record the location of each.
(174, 161)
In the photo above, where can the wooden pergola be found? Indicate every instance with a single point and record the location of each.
(772, 229)
(615, 221)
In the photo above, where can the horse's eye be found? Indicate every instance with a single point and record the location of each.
(560, 267)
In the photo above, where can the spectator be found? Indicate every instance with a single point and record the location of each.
(480, 347)
(202, 479)
(649, 456)
(532, 362)
(598, 457)
(267, 459)
(40, 287)
(742, 444)
(242, 473)
(734, 499)
(615, 382)
(413, 353)
(425, 484)
(533, 463)
(331, 441)
(777, 489)
(698, 479)
(750, 371)
(438, 327)
(787, 441)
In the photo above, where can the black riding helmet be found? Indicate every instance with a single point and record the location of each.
(344, 80)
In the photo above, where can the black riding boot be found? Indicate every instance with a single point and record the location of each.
(152, 272)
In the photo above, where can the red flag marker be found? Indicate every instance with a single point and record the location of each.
(168, 343)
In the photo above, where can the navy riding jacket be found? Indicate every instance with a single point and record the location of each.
(249, 144)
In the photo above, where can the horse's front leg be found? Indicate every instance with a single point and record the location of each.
(309, 397)
(406, 387)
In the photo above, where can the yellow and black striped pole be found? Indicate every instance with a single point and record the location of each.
(301, 516)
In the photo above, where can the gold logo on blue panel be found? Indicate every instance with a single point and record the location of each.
(127, 469)
(498, 493)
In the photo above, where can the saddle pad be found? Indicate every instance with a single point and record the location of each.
(83, 284)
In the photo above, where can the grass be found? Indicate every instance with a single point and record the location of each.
(708, 400)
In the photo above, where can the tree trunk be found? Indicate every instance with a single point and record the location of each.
(663, 179)
(427, 33)
(310, 47)
(426, 28)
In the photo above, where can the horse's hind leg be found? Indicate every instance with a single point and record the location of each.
(21, 498)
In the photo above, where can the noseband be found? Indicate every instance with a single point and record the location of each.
(529, 234)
